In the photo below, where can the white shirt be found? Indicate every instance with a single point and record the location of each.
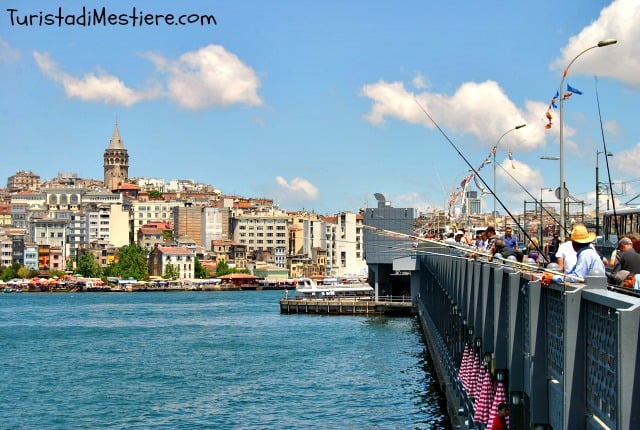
(568, 255)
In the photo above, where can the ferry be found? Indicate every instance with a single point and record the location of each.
(330, 288)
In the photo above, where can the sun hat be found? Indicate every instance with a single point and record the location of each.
(581, 235)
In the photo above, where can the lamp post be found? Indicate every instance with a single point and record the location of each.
(609, 154)
(563, 193)
(541, 214)
(495, 149)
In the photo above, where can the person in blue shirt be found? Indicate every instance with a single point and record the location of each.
(588, 258)
(509, 240)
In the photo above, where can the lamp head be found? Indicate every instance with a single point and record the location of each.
(607, 42)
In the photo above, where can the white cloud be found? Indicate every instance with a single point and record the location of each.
(618, 21)
(627, 161)
(612, 127)
(7, 53)
(93, 87)
(297, 190)
(210, 76)
(480, 109)
(419, 82)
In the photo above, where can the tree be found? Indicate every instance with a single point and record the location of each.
(222, 269)
(132, 263)
(22, 272)
(155, 194)
(171, 271)
(199, 271)
(88, 266)
(10, 272)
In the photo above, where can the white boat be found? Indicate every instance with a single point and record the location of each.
(310, 289)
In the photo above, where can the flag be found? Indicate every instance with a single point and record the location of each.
(553, 100)
(573, 90)
(566, 96)
(513, 166)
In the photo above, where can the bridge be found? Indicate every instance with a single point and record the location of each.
(566, 354)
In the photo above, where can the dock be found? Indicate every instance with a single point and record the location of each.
(348, 306)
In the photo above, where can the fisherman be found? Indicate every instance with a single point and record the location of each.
(490, 231)
(626, 258)
(587, 258)
(499, 247)
(553, 248)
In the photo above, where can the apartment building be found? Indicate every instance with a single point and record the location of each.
(262, 231)
(181, 258)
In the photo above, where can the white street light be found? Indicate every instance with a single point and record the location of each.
(563, 194)
(495, 149)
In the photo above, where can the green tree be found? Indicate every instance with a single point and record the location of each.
(10, 272)
(222, 269)
(22, 272)
(155, 194)
(132, 263)
(88, 266)
(199, 271)
(171, 272)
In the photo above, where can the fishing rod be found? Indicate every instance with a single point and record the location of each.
(606, 159)
(513, 218)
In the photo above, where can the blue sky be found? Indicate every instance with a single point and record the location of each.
(314, 103)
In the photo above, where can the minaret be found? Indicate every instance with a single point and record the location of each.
(116, 162)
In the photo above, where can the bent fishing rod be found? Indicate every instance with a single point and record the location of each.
(453, 145)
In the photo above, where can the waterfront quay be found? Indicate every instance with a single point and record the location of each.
(397, 306)
(563, 356)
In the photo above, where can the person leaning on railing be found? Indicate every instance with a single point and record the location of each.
(588, 258)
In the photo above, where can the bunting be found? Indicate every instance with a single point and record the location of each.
(549, 114)
(513, 166)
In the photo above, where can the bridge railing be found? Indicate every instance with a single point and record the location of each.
(567, 353)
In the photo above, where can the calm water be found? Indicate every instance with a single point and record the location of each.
(224, 360)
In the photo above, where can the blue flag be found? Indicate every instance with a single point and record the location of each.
(573, 90)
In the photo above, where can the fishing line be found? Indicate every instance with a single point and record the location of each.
(482, 179)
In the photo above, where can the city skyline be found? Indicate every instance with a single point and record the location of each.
(314, 105)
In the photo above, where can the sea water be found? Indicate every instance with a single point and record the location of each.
(209, 360)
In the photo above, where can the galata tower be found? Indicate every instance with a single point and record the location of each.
(116, 162)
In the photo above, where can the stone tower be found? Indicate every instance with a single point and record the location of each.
(116, 162)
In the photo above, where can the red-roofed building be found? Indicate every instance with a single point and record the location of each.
(181, 258)
(152, 234)
(5, 215)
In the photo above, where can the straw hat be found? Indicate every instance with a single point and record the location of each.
(581, 235)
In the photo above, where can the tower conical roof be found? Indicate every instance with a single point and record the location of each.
(116, 140)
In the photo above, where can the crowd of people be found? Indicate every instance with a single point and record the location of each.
(576, 257)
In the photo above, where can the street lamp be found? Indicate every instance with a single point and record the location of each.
(495, 149)
(609, 154)
(563, 193)
(541, 213)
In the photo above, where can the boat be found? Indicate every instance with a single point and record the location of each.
(329, 289)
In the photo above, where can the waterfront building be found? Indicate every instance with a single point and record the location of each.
(230, 252)
(154, 233)
(381, 249)
(31, 256)
(116, 162)
(6, 251)
(180, 257)
(152, 211)
(345, 248)
(187, 222)
(215, 225)
(108, 223)
(261, 230)
(5, 215)
(23, 180)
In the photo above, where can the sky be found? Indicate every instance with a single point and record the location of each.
(319, 105)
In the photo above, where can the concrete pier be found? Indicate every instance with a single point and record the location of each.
(344, 306)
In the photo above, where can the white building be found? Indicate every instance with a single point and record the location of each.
(152, 211)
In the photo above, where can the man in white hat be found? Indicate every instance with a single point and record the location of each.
(588, 258)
